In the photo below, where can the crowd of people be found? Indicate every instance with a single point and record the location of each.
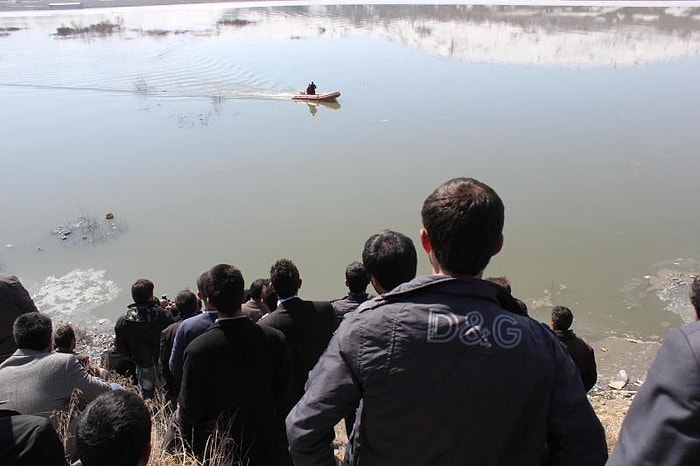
(446, 368)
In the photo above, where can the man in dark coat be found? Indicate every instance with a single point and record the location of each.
(137, 335)
(356, 280)
(307, 325)
(14, 300)
(580, 351)
(235, 380)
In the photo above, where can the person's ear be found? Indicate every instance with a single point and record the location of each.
(299, 284)
(425, 241)
(375, 284)
(498, 246)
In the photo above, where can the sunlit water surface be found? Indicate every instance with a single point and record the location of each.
(181, 124)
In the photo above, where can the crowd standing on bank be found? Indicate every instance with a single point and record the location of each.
(440, 369)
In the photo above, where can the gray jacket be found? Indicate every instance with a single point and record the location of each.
(447, 377)
(36, 382)
(662, 427)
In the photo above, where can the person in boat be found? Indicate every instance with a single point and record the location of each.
(311, 89)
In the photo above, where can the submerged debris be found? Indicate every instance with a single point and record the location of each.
(89, 229)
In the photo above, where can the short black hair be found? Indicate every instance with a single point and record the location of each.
(114, 430)
(186, 303)
(695, 295)
(390, 257)
(502, 281)
(63, 336)
(32, 331)
(562, 318)
(464, 220)
(357, 278)
(269, 297)
(284, 277)
(202, 283)
(142, 291)
(256, 288)
(224, 288)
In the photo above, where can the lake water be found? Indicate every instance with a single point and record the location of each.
(584, 119)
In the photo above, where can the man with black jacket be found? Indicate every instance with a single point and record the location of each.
(14, 300)
(307, 325)
(137, 335)
(446, 374)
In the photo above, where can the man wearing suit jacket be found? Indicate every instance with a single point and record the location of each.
(307, 325)
(35, 381)
(14, 300)
(235, 380)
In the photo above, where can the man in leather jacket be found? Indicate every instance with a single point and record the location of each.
(446, 374)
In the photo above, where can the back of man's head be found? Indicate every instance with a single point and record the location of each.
(562, 318)
(285, 279)
(269, 297)
(502, 281)
(256, 289)
(32, 331)
(187, 303)
(463, 219)
(64, 336)
(142, 291)
(356, 277)
(390, 259)
(115, 430)
(224, 288)
(695, 296)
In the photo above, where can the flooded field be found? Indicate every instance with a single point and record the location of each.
(178, 120)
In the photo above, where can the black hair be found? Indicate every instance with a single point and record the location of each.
(390, 258)
(562, 318)
(269, 297)
(187, 303)
(695, 295)
(63, 336)
(114, 430)
(256, 288)
(224, 288)
(202, 283)
(142, 291)
(357, 278)
(32, 331)
(284, 277)
(502, 281)
(464, 220)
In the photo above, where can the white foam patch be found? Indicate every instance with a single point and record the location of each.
(75, 295)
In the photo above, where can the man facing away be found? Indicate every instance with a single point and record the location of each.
(35, 381)
(187, 305)
(446, 375)
(235, 380)
(137, 334)
(356, 280)
(14, 300)
(390, 259)
(580, 351)
(307, 325)
(191, 328)
(114, 430)
(662, 424)
(255, 308)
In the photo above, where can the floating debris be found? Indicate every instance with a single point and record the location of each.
(89, 229)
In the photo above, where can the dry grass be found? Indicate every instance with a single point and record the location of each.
(611, 408)
(102, 28)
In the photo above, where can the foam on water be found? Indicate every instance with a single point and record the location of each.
(75, 295)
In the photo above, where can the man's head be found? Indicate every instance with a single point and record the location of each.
(695, 296)
(64, 337)
(562, 318)
(202, 285)
(390, 259)
(224, 289)
(503, 282)
(356, 278)
(285, 279)
(462, 227)
(269, 297)
(142, 291)
(256, 289)
(187, 303)
(115, 430)
(32, 331)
